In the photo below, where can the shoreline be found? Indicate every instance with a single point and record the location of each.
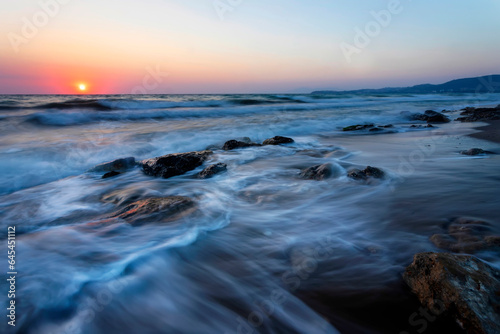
(489, 132)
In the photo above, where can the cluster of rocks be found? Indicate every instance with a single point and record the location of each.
(366, 173)
(369, 127)
(466, 235)
(460, 286)
(322, 172)
(236, 144)
(480, 114)
(429, 116)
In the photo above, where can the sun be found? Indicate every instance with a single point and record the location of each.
(82, 87)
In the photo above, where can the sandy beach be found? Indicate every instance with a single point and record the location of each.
(489, 132)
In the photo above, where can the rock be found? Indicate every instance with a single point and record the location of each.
(235, 144)
(429, 116)
(479, 114)
(474, 151)
(366, 173)
(116, 165)
(110, 174)
(277, 141)
(460, 285)
(465, 235)
(212, 170)
(155, 209)
(318, 173)
(435, 117)
(388, 126)
(376, 129)
(358, 127)
(174, 164)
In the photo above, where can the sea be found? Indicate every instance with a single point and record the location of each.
(266, 251)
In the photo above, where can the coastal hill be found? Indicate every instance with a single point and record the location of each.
(485, 84)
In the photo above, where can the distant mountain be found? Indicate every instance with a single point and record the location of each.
(486, 84)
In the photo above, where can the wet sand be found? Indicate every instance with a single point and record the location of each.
(489, 132)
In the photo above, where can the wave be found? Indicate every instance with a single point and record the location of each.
(76, 104)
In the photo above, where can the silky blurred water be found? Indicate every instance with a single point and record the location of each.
(265, 251)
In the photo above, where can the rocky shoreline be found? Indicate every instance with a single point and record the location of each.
(460, 287)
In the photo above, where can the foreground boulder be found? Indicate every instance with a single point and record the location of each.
(460, 285)
(480, 114)
(116, 165)
(235, 144)
(155, 209)
(366, 173)
(174, 164)
(278, 140)
(212, 170)
(474, 151)
(466, 235)
(318, 173)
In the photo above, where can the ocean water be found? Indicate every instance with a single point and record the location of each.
(265, 251)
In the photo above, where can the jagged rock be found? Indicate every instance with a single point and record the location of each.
(212, 170)
(235, 144)
(474, 151)
(480, 114)
(277, 141)
(174, 164)
(435, 117)
(155, 209)
(358, 127)
(462, 286)
(366, 173)
(318, 173)
(466, 235)
(116, 165)
(110, 174)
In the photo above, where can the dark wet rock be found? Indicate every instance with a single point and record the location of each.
(429, 116)
(110, 174)
(318, 173)
(461, 286)
(422, 126)
(474, 151)
(174, 164)
(116, 165)
(212, 170)
(358, 127)
(278, 140)
(366, 173)
(435, 117)
(235, 144)
(376, 129)
(479, 114)
(387, 126)
(155, 209)
(465, 235)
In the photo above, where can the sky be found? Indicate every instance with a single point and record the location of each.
(242, 46)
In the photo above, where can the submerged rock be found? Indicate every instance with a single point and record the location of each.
(174, 164)
(318, 173)
(358, 127)
(116, 165)
(155, 209)
(480, 114)
(235, 144)
(278, 140)
(460, 285)
(110, 174)
(366, 173)
(474, 151)
(212, 170)
(466, 235)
